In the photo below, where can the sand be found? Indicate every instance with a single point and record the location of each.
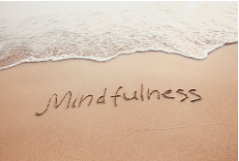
(156, 129)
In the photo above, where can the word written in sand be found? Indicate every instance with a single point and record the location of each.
(101, 99)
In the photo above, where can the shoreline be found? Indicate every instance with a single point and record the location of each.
(52, 59)
(153, 129)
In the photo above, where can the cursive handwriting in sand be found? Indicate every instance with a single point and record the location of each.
(101, 99)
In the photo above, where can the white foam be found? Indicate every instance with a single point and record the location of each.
(52, 31)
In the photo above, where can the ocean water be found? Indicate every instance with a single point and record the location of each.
(51, 31)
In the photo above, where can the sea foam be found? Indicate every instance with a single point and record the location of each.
(44, 31)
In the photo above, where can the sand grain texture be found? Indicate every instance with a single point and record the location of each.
(137, 129)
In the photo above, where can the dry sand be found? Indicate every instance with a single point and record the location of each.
(164, 129)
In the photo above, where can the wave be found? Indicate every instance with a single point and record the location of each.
(100, 31)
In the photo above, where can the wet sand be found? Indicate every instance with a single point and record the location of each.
(138, 129)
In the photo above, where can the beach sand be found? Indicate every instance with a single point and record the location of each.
(156, 129)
